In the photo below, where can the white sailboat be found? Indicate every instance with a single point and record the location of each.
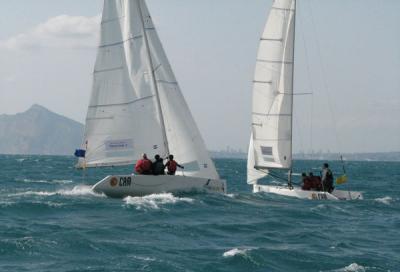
(137, 107)
(271, 139)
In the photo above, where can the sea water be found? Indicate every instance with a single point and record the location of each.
(50, 220)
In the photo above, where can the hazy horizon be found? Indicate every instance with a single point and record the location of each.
(347, 53)
(224, 150)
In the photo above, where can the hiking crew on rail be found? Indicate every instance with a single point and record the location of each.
(316, 183)
(144, 166)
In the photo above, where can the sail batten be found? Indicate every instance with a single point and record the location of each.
(136, 104)
(271, 140)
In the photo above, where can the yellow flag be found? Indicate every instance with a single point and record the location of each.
(341, 179)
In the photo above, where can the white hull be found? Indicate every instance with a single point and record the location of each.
(299, 193)
(135, 185)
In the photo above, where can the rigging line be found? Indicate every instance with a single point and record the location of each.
(272, 174)
(310, 82)
(292, 98)
(94, 150)
(154, 79)
(312, 97)
(324, 79)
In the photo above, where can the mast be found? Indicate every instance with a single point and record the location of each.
(292, 102)
(153, 77)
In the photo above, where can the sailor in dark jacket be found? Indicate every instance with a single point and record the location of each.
(158, 166)
(327, 178)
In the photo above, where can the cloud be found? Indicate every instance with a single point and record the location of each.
(63, 31)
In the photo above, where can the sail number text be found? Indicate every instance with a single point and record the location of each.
(317, 196)
(125, 181)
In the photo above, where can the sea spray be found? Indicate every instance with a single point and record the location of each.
(154, 201)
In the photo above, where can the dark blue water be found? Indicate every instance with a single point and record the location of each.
(51, 221)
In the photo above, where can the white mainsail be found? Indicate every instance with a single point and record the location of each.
(136, 104)
(271, 139)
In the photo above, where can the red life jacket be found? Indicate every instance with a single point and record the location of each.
(172, 165)
(316, 183)
(146, 165)
(307, 184)
(143, 166)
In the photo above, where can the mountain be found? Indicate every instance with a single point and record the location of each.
(39, 131)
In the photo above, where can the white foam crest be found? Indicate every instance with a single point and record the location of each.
(61, 181)
(352, 268)
(387, 200)
(37, 193)
(143, 258)
(54, 181)
(155, 200)
(231, 195)
(318, 207)
(80, 190)
(54, 204)
(237, 251)
(6, 203)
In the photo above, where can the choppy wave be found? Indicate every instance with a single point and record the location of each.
(231, 195)
(387, 200)
(237, 251)
(6, 203)
(143, 258)
(155, 201)
(241, 231)
(80, 190)
(54, 181)
(328, 206)
(352, 268)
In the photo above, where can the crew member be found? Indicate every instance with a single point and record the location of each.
(158, 166)
(316, 183)
(306, 182)
(143, 166)
(327, 178)
(172, 165)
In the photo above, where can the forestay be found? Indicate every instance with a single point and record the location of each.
(136, 105)
(271, 142)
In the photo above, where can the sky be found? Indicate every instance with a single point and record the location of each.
(347, 55)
